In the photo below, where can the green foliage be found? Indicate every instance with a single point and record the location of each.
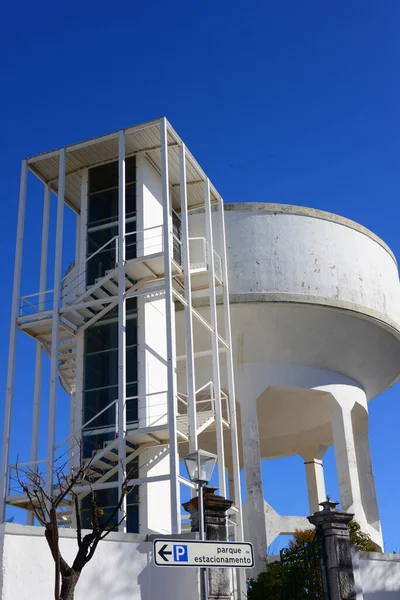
(360, 539)
(268, 585)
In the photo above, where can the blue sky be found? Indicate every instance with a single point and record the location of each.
(294, 102)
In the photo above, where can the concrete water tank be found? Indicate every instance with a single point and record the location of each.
(315, 309)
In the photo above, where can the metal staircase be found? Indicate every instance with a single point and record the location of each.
(205, 398)
(81, 306)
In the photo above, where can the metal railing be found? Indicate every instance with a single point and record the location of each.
(200, 257)
(205, 404)
(142, 245)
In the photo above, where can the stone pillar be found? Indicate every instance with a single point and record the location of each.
(315, 477)
(332, 524)
(215, 508)
(254, 523)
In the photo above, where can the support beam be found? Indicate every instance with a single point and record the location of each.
(366, 476)
(190, 373)
(78, 420)
(13, 340)
(55, 324)
(83, 231)
(39, 349)
(237, 492)
(214, 340)
(171, 357)
(121, 330)
(346, 461)
(315, 477)
(255, 521)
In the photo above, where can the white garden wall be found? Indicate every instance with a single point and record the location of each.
(121, 569)
(377, 575)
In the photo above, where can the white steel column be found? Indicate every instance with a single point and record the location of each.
(82, 230)
(55, 323)
(237, 492)
(171, 358)
(78, 422)
(13, 339)
(190, 373)
(121, 329)
(81, 264)
(39, 349)
(214, 339)
(231, 381)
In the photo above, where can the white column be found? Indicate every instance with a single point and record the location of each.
(55, 324)
(39, 349)
(83, 230)
(78, 422)
(190, 373)
(235, 489)
(254, 489)
(121, 329)
(346, 461)
(214, 340)
(315, 478)
(171, 357)
(366, 475)
(80, 258)
(13, 340)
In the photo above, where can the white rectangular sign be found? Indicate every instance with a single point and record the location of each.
(190, 553)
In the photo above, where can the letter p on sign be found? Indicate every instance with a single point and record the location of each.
(180, 553)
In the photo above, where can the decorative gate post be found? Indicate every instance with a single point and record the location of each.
(215, 508)
(332, 524)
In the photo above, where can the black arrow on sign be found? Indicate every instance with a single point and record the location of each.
(163, 553)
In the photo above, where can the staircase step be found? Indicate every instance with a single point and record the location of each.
(67, 356)
(75, 318)
(110, 287)
(100, 293)
(87, 313)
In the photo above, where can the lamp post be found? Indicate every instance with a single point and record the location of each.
(200, 466)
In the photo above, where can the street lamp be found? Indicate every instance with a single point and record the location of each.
(200, 466)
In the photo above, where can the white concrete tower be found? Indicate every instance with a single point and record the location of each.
(108, 327)
(315, 309)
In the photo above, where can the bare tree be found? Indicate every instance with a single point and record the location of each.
(45, 507)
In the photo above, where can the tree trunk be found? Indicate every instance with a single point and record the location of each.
(68, 584)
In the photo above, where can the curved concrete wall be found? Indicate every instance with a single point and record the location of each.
(311, 288)
(304, 254)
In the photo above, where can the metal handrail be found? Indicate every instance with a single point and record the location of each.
(114, 239)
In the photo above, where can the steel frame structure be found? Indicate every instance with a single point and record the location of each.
(58, 329)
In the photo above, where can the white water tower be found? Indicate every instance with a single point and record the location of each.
(315, 310)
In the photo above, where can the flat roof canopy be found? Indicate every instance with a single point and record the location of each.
(139, 139)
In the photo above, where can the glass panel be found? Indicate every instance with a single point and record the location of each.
(132, 522)
(131, 364)
(131, 405)
(101, 336)
(130, 200)
(94, 401)
(103, 207)
(103, 177)
(105, 259)
(101, 369)
(106, 501)
(130, 170)
(95, 442)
